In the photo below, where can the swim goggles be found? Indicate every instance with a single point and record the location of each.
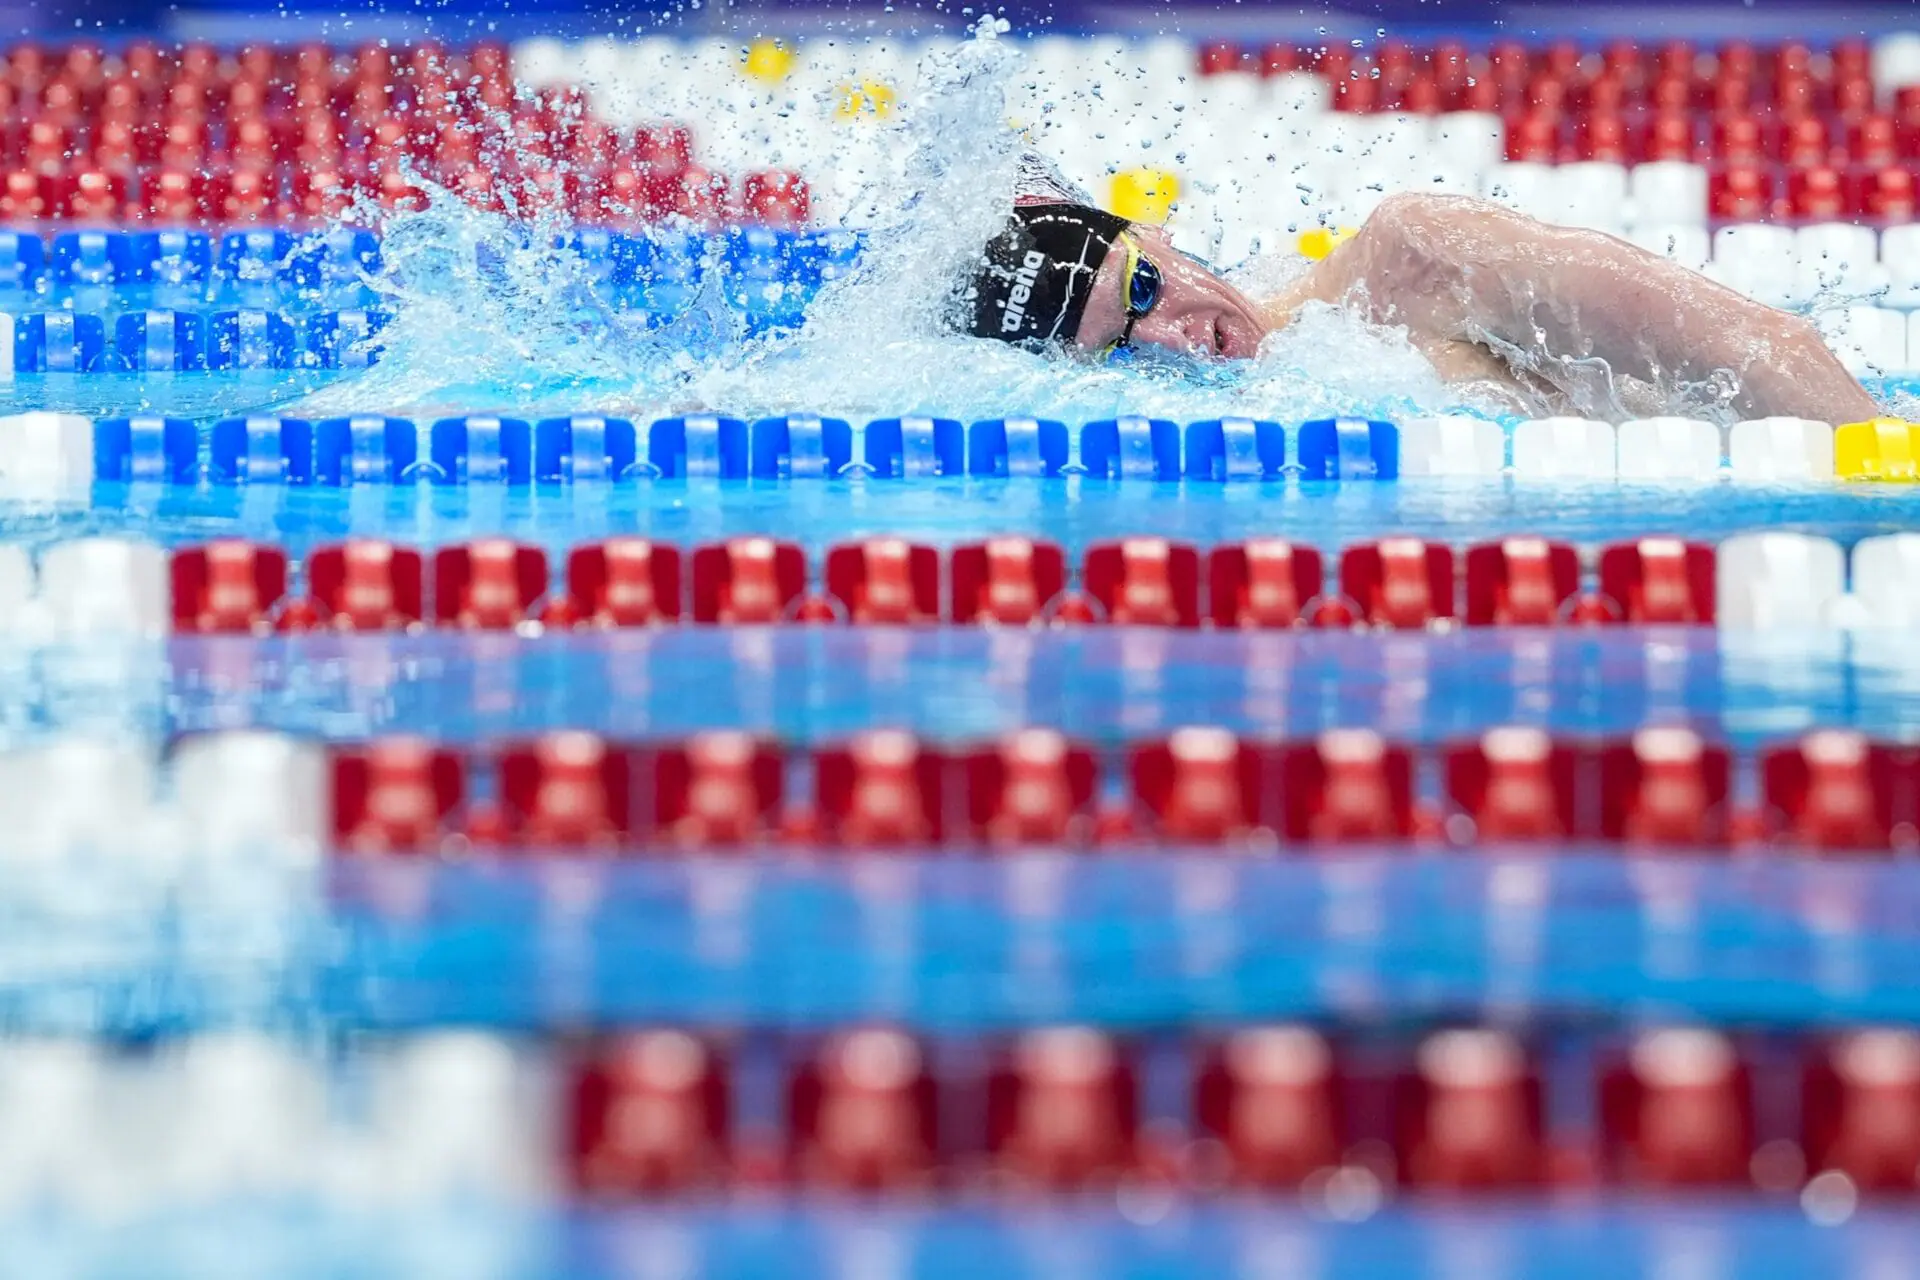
(1143, 292)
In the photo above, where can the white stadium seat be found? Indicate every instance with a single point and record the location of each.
(1451, 446)
(1868, 340)
(1572, 448)
(1900, 259)
(1768, 580)
(1896, 63)
(1528, 186)
(1471, 140)
(1689, 246)
(1757, 259)
(1886, 579)
(1593, 193)
(1669, 449)
(1669, 193)
(1780, 449)
(1837, 258)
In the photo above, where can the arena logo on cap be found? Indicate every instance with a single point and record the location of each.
(1013, 312)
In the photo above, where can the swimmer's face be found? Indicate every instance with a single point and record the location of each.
(1198, 313)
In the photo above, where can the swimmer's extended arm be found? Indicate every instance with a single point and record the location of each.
(1455, 269)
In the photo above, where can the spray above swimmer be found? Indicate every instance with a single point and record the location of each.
(1400, 316)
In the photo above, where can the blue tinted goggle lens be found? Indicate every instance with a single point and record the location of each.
(1143, 290)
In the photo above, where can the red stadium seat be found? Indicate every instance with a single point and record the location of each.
(228, 586)
(1346, 785)
(366, 584)
(1010, 581)
(885, 581)
(1262, 583)
(1670, 135)
(863, 1114)
(1803, 141)
(1063, 1111)
(650, 1114)
(242, 196)
(568, 790)
(623, 582)
(1854, 97)
(1144, 582)
(396, 795)
(776, 198)
(881, 789)
(1033, 787)
(719, 789)
(1873, 140)
(1860, 1109)
(1887, 194)
(1659, 581)
(1469, 1115)
(1534, 137)
(1738, 138)
(1665, 786)
(1402, 584)
(489, 584)
(1273, 1098)
(1603, 136)
(96, 196)
(1199, 786)
(1818, 194)
(26, 196)
(1834, 791)
(1520, 582)
(1677, 1111)
(747, 581)
(1514, 784)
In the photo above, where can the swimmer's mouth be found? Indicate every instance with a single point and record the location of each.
(1228, 342)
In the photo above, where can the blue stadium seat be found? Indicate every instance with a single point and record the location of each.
(673, 270)
(339, 339)
(584, 447)
(704, 445)
(829, 255)
(256, 256)
(364, 449)
(146, 448)
(331, 259)
(1131, 448)
(481, 449)
(916, 446)
(249, 339)
(160, 341)
(59, 342)
(261, 449)
(92, 258)
(174, 257)
(799, 446)
(761, 252)
(23, 260)
(1349, 449)
(613, 258)
(1235, 449)
(1029, 447)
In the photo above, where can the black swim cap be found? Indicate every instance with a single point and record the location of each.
(1036, 275)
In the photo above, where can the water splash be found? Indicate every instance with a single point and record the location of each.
(491, 311)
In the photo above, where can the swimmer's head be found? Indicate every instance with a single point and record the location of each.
(1075, 275)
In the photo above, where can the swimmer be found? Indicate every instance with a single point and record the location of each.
(1551, 317)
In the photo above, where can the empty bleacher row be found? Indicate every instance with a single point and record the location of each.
(1340, 1118)
(282, 801)
(190, 134)
(1766, 581)
(611, 131)
(56, 449)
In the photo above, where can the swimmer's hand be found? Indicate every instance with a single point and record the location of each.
(1454, 269)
